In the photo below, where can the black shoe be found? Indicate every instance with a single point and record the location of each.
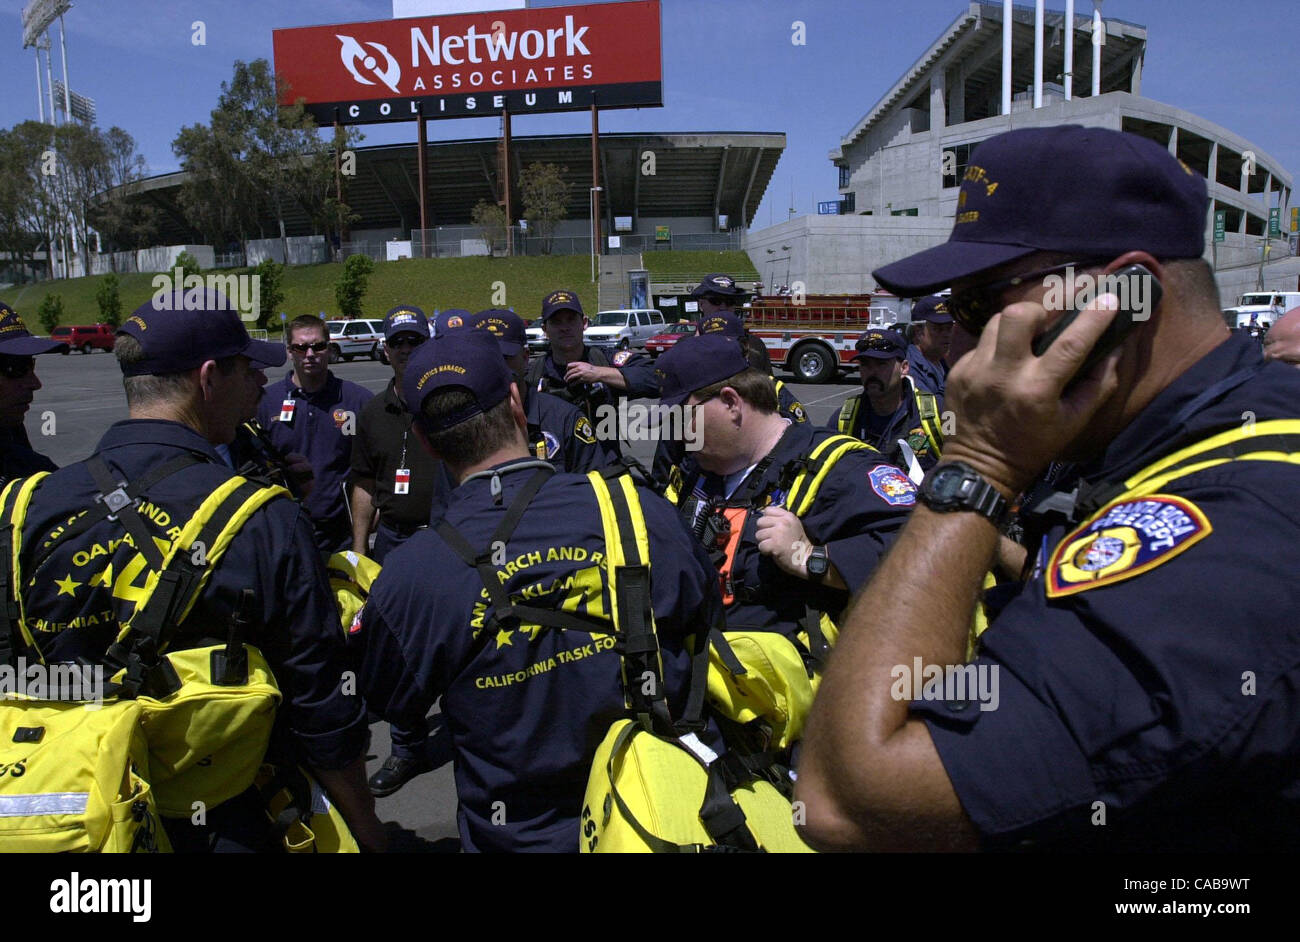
(396, 772)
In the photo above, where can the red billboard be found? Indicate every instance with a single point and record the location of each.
(549, 59)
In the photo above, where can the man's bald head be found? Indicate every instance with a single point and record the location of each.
(1283, 339)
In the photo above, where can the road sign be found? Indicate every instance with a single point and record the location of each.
(1220, 224)
(283, 316)
(1274, 223)
(828, 208)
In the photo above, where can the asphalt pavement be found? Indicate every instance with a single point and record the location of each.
(82, 397)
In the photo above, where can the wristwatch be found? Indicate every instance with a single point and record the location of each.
(817, 564)
(957, 486)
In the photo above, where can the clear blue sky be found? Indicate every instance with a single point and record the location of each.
(729, 65)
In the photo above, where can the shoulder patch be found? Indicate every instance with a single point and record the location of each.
(552, 444)
(797, 413)
(1129, 537)
(917, 440)
(622, 357)
(892, 486)
(583, 431)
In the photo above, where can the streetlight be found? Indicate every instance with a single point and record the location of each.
(595, 239)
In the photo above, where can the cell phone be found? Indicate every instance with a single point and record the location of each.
(1126, 319)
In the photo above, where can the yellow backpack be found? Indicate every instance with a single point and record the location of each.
(171, 732)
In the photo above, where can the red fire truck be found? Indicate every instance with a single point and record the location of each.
(813, 337)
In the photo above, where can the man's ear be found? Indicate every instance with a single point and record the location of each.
(207, 380)
(906, 366)
(517, 410)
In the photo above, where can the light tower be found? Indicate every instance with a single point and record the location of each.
(36, 19)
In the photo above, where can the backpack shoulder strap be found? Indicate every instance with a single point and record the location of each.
(14, 501)
(848, 414)
(927, 405)
(814, 468)
(598, 357)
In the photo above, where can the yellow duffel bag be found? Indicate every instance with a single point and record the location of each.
(649, 793)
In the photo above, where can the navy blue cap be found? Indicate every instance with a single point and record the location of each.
(1086, 191)
(695, 362)
(932, 308)
(507, 326)
(879, 343)
(470, 359)
(722, 285)
(182, 330)
(405, 318)
(561, 301)
(451, 319)
(727, 323)
(17, 341)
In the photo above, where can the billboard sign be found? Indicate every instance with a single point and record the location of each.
(828, 208)
(533, 60)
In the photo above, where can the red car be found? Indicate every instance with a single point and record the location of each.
(86, 338)
(661, 342)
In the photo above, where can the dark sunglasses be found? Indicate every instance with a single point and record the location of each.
(882, 345)
(975, 306)
(12, 367)
(399, 342)
(313, 347)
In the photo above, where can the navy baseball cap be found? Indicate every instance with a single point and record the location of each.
(451, 319)
(507, 326)
(561, 301)
(722, 285)
(932, 308)
(405, 318)
(1067, 188)
(880, 344)
(726, 323)
(178, 332)
(470, 359)
(17, 341)
(695, 362)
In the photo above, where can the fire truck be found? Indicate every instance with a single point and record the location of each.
(813, 337)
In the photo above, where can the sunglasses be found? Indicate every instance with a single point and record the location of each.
(975, 306)
(313, 347)
(883, 346)
(398, 342)
(16, 367)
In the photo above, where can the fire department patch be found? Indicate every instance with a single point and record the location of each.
(340, 417)
(894, 487)
(552, 444)
(796, 411)
(1130, 536)
(622, 357)
(583, 431)
(917, 441)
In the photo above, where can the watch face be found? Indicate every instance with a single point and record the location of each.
(817, 562)
(947, 482)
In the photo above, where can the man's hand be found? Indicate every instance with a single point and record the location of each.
(301, 470)
(1011, 412)
(781, 535)
(580, 371)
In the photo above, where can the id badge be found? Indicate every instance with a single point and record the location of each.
(402, 481)
(286, 410)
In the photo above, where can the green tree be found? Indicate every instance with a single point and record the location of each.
(270, 287)
(352, 284)
(544, 194)
(491, 221)
(109, 300)
(188, 264)
(50, 312)
(122, 218)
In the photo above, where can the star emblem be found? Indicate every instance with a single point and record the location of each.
(503, 638)
(67, 585)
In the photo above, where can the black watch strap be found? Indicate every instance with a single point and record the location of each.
(956, 486)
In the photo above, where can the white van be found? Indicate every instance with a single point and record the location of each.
(623, 329)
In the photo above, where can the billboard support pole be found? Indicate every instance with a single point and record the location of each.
(595, 179)
(421, 146)
(338, 172)
(505, 174)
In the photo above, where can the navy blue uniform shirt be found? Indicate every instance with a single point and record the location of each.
(74, 615)
(933, 376)
(323, 427)
(1152, 661)
(563, 432)
(860, 507)
(886, 432)
(544, 375)
(526, 709)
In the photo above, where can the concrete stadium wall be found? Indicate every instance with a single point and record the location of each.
(303, 250)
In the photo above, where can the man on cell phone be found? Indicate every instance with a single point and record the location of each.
(1143, 670)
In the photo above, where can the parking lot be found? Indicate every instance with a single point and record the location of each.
(82, 396)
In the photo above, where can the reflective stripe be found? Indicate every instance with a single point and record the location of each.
(29, 806)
